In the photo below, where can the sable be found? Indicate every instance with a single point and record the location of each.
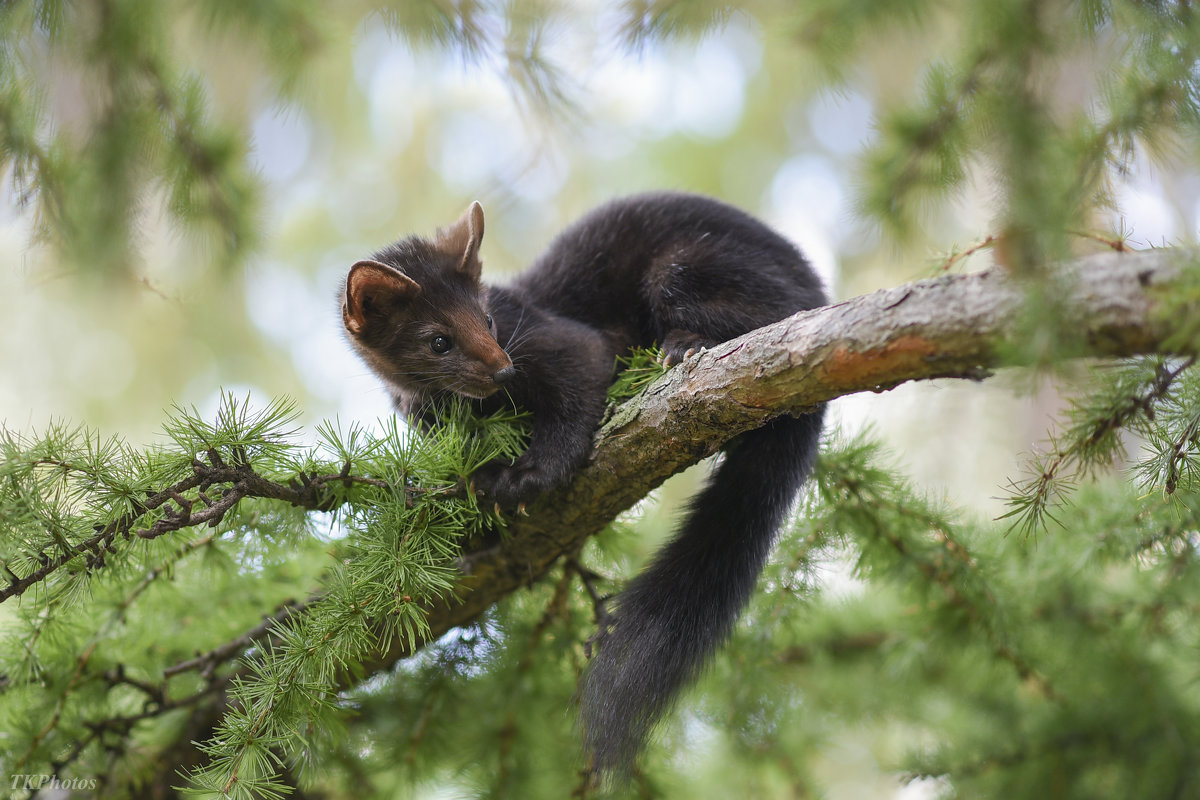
(681, 271)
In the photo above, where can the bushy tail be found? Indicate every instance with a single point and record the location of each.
(672, 617)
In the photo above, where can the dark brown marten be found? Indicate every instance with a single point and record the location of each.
(681, 271)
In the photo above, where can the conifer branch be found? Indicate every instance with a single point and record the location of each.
(206, 663)
(1092, 441)
(235, 482)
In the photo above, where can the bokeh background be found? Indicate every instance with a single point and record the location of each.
(380, 126)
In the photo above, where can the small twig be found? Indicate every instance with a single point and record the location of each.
(206, 662)
(149, 285)
(1119, 245)
(846, 645)
(411, 493)
(600, 613)
(991, 240)
(155, 694)
(1179, 445)
(589, 578)
(994, 239)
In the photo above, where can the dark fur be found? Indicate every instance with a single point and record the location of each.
(679, 270)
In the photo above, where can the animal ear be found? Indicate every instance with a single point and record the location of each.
(462, 240)
(371, 289)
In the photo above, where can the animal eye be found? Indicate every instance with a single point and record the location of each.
(489, 321)
(440, 344)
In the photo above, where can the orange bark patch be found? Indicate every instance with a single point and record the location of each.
(903, 358)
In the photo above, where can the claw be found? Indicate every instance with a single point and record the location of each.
(496, 508)
(521, 510)
(471, 487)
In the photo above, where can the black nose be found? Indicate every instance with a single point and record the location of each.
(504, 376)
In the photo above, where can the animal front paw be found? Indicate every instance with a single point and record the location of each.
(511, 485)
(679, 345)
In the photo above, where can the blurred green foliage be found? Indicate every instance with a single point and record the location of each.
(185, 184)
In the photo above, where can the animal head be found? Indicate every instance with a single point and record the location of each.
(415, 314)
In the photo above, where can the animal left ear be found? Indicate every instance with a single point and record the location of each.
(372, 290)
(462, 240)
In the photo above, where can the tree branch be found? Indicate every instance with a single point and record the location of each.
(947, 327)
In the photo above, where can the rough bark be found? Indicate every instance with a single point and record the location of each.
(960, 326)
